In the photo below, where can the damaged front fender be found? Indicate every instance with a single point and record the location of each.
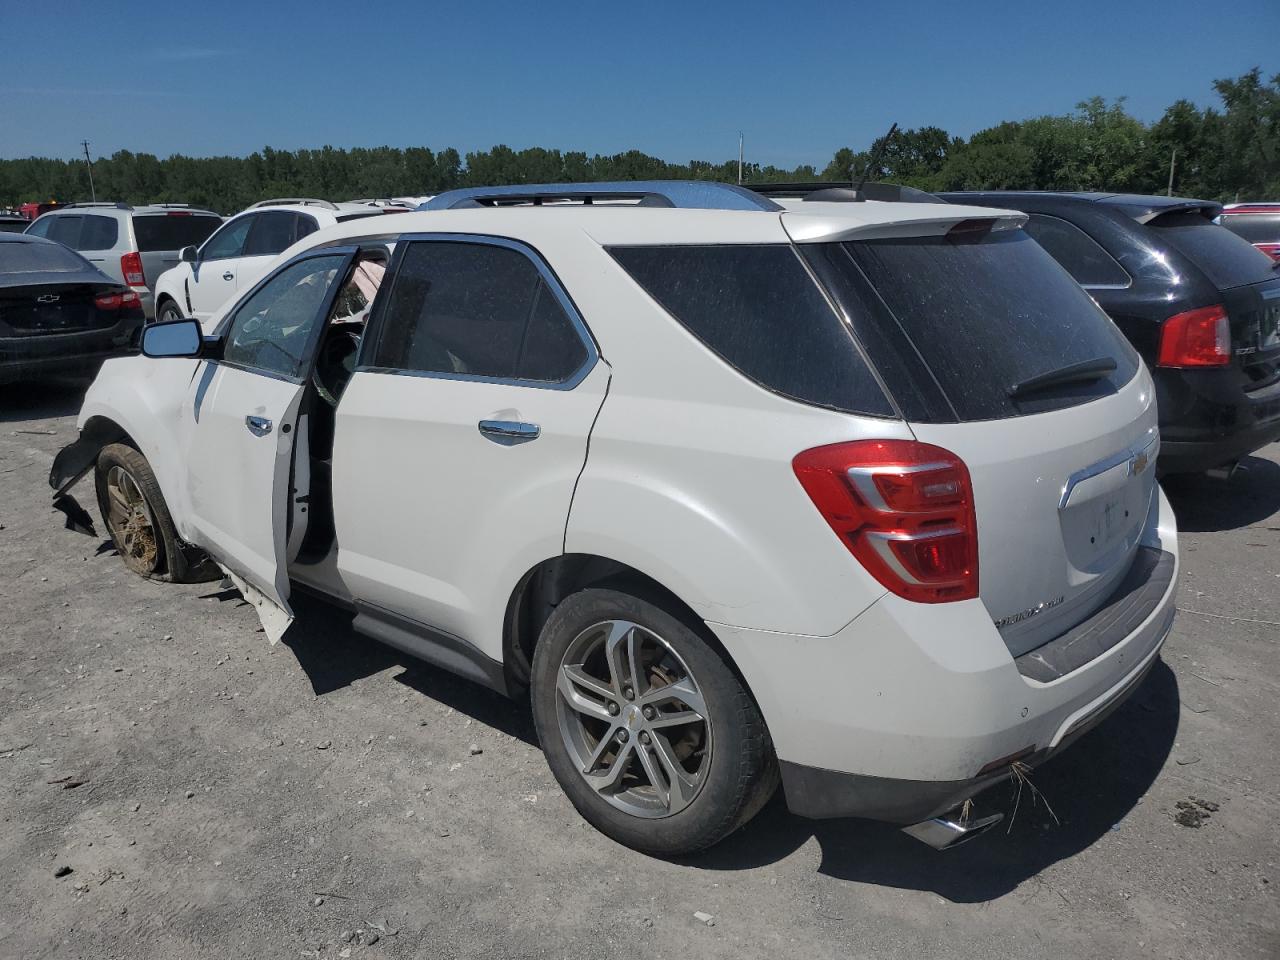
(72, 463)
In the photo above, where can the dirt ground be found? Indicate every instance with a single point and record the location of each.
(330, 797)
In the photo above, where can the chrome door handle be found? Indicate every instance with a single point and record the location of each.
(509, 432)
(258, 426)
(228, 275)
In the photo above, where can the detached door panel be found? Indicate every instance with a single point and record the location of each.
(461, 437)
(243, 410)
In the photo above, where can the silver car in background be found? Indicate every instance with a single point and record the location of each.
(131, 244)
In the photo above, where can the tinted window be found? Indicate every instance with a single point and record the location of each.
(98, 233)
(173, 231)
(274, 231)
(40, 228)
(477, 310)
(65, 230)
(12, 226)
(1227, 260)
(20, 257)
(1256, 228)
(1082, 257)
(758, 308)
(304, 225)
(272, 329)
(983, 312)
(229, 241)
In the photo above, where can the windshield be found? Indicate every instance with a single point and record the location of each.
(954, 323)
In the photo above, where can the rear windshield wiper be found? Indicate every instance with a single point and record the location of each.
(1082, 372)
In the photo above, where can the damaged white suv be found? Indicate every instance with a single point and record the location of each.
(858, 495)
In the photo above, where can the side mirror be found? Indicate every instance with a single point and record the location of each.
(187, 254)
(174, 338)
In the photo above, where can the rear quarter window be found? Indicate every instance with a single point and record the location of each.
(1080, 255)
(1226, 259)
(173, 231)
(758, 309)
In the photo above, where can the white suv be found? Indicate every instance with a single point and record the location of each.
(241, 252)
(857, 494)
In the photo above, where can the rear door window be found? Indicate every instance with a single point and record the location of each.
(759, 310)
(977, 313)
(1226, 259)
(274, 231)
(173, 231)
(1079, 254)
(476, 310)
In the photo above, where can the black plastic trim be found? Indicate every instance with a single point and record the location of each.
(427, 643)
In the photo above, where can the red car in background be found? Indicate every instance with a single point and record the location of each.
(1259, 223)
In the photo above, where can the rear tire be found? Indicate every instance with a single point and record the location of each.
(138, 521)
(169, 312)
(675, 752)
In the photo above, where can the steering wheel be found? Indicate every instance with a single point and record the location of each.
(335, 364)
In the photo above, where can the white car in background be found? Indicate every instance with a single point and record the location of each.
(241, 252)
(856, 495)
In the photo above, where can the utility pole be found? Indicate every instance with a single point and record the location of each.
(93, 194)
(739, 158)
(1173, 158)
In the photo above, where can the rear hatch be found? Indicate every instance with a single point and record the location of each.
(994, 353)
(1248, 281)
(161, 236)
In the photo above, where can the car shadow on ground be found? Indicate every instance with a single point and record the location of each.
(1089, 788)
(41, 401)
(1204, 504)
(333, 655)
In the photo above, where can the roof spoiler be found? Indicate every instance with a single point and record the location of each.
(840, 191)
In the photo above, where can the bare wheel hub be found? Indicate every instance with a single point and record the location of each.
(129, 519)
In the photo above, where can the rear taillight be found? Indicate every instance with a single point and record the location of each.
(131, 267)
(116, 301)
(904, 509)
(1197, 338)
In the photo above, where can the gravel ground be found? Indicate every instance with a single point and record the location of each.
(214, 796)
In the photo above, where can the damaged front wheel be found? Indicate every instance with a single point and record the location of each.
(137, 518)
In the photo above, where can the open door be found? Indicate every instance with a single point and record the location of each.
(241, 412)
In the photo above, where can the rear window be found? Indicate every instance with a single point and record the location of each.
(974, 314)
(20, 257)
(1226, 259)
(758, 308)
(173, 231)
(1256, 228)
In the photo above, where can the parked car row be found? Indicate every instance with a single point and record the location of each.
(850, 494)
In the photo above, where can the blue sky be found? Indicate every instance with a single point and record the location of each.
(677, 80)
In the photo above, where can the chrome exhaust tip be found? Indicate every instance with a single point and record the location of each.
(943, 833)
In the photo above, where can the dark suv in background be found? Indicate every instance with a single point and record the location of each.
(1200, 304)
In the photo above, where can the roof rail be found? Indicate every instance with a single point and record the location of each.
(684, 194)
(113, 204)
(292, 201)
(842, 191)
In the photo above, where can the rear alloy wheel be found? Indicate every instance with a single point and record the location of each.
(652, 736)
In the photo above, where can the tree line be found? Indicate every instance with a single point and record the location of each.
(1225, 152)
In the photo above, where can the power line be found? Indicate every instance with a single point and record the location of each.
(93, 194)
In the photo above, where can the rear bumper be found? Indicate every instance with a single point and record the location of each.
(1208, 419)
(913, 708)
(24, 358)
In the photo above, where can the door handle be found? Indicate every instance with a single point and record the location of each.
(228, 275)
(509, 432)
(258, 426)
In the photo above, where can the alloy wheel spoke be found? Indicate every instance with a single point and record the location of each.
(573, 681)
(602, 747)
(684, 690)
(607, 779)
(621, 650)
(682, 785)
(677, 718)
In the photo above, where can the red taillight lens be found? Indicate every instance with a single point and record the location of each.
(115, 301)
(1197, 338)
(131, 267)
(904, 509)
